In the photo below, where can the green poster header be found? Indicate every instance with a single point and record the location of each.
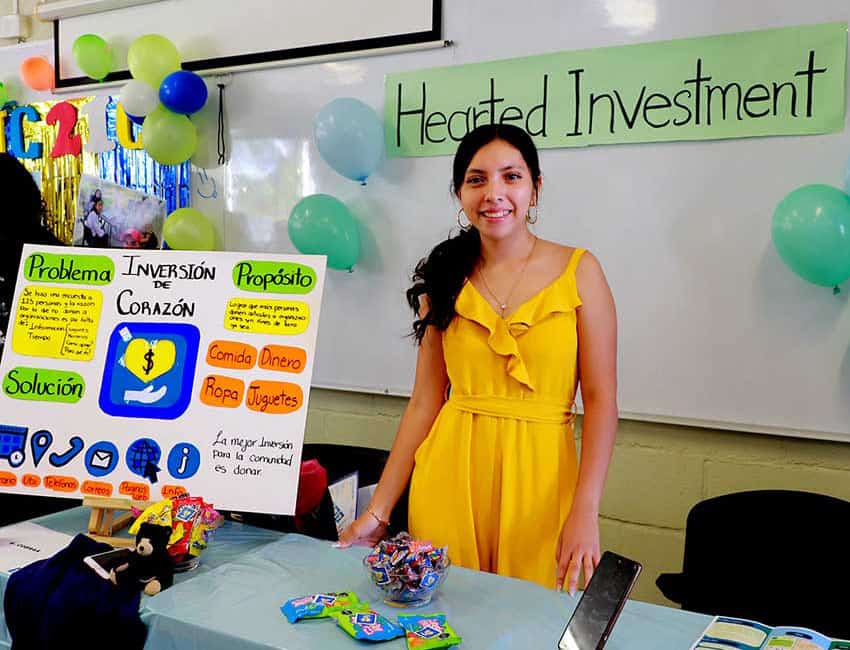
(44, 385)
(67, 268)
(274, 277)
(787, 81)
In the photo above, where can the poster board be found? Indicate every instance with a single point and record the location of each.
(147, 373)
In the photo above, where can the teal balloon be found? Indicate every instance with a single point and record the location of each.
(350, 137)
(322, 225)
(811, 233)
(847, 177)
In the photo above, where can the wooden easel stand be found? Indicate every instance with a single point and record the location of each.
(109, 516)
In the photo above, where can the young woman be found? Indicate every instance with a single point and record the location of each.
(509, 325)
(95, 224)
(23, 224)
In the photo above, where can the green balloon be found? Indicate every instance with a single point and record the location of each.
(169, 138)
(188, 229)
(322, 225)
(4, 94)
(93, 55)
(811, 233)
(152, 58)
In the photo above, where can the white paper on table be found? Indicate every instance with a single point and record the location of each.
(26, 542)
(344, 496)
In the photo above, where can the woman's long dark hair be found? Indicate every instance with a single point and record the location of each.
(22, 223)
(442, 274)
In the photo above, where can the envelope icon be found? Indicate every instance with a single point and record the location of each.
(101, 458)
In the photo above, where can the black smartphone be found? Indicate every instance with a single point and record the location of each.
(601, 603)
(103, 563)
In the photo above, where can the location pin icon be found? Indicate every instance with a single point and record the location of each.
(40, 443)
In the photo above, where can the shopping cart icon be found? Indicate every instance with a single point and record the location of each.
(12, 443)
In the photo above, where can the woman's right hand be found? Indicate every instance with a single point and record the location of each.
(366, 530)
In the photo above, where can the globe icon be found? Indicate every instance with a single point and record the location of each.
(142, 456)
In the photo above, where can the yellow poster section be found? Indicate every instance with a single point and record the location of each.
(267, 316)
(58, 323)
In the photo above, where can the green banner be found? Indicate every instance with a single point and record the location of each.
(786, 81)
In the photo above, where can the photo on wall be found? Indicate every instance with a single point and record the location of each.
(113, 216)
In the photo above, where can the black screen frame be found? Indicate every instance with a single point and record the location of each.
(435, 33)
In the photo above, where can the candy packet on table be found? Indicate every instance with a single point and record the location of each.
(428, 632)
(318, 605)
(365, 624)
(203, 530)
(185, 511)
(158, 513)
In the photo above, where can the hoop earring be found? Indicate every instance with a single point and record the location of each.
(529, 218)
(460, 223)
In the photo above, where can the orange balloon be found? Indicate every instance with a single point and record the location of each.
(37, 73)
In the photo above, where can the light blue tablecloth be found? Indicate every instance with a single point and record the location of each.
(232, 602)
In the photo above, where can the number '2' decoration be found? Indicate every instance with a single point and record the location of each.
(67, 142)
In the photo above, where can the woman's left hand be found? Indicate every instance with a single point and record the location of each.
(578, 548)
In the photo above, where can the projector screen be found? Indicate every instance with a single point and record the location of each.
(222, 34)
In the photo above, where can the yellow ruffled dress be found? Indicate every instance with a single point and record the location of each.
(495, 477)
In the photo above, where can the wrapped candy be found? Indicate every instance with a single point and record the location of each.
(203, 530)
(365, 624)
(404, 566)
(428, 632)
(158, 513)
(185, 512)
(318, 605)
(192, 520)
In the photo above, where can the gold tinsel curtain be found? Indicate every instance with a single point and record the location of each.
(60, 177)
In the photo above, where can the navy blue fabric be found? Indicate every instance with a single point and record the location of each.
(61, 602)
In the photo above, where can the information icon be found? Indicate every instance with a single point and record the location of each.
(184, 459)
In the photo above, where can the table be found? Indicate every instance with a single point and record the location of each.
(232, 601)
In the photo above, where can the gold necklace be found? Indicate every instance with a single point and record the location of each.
(503, 304)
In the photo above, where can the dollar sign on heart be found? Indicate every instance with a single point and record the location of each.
(148, 362)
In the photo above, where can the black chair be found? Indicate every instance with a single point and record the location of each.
(775, 556)
(339, 461)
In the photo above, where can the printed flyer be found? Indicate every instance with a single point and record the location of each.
(727, 633)
(148, 373)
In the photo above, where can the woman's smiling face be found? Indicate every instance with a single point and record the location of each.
(497, 190)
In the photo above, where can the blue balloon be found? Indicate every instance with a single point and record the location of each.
(135, 119)
(183, 92)
(350, 137)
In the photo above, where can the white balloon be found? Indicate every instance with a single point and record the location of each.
(96, 111)
(138, 98)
